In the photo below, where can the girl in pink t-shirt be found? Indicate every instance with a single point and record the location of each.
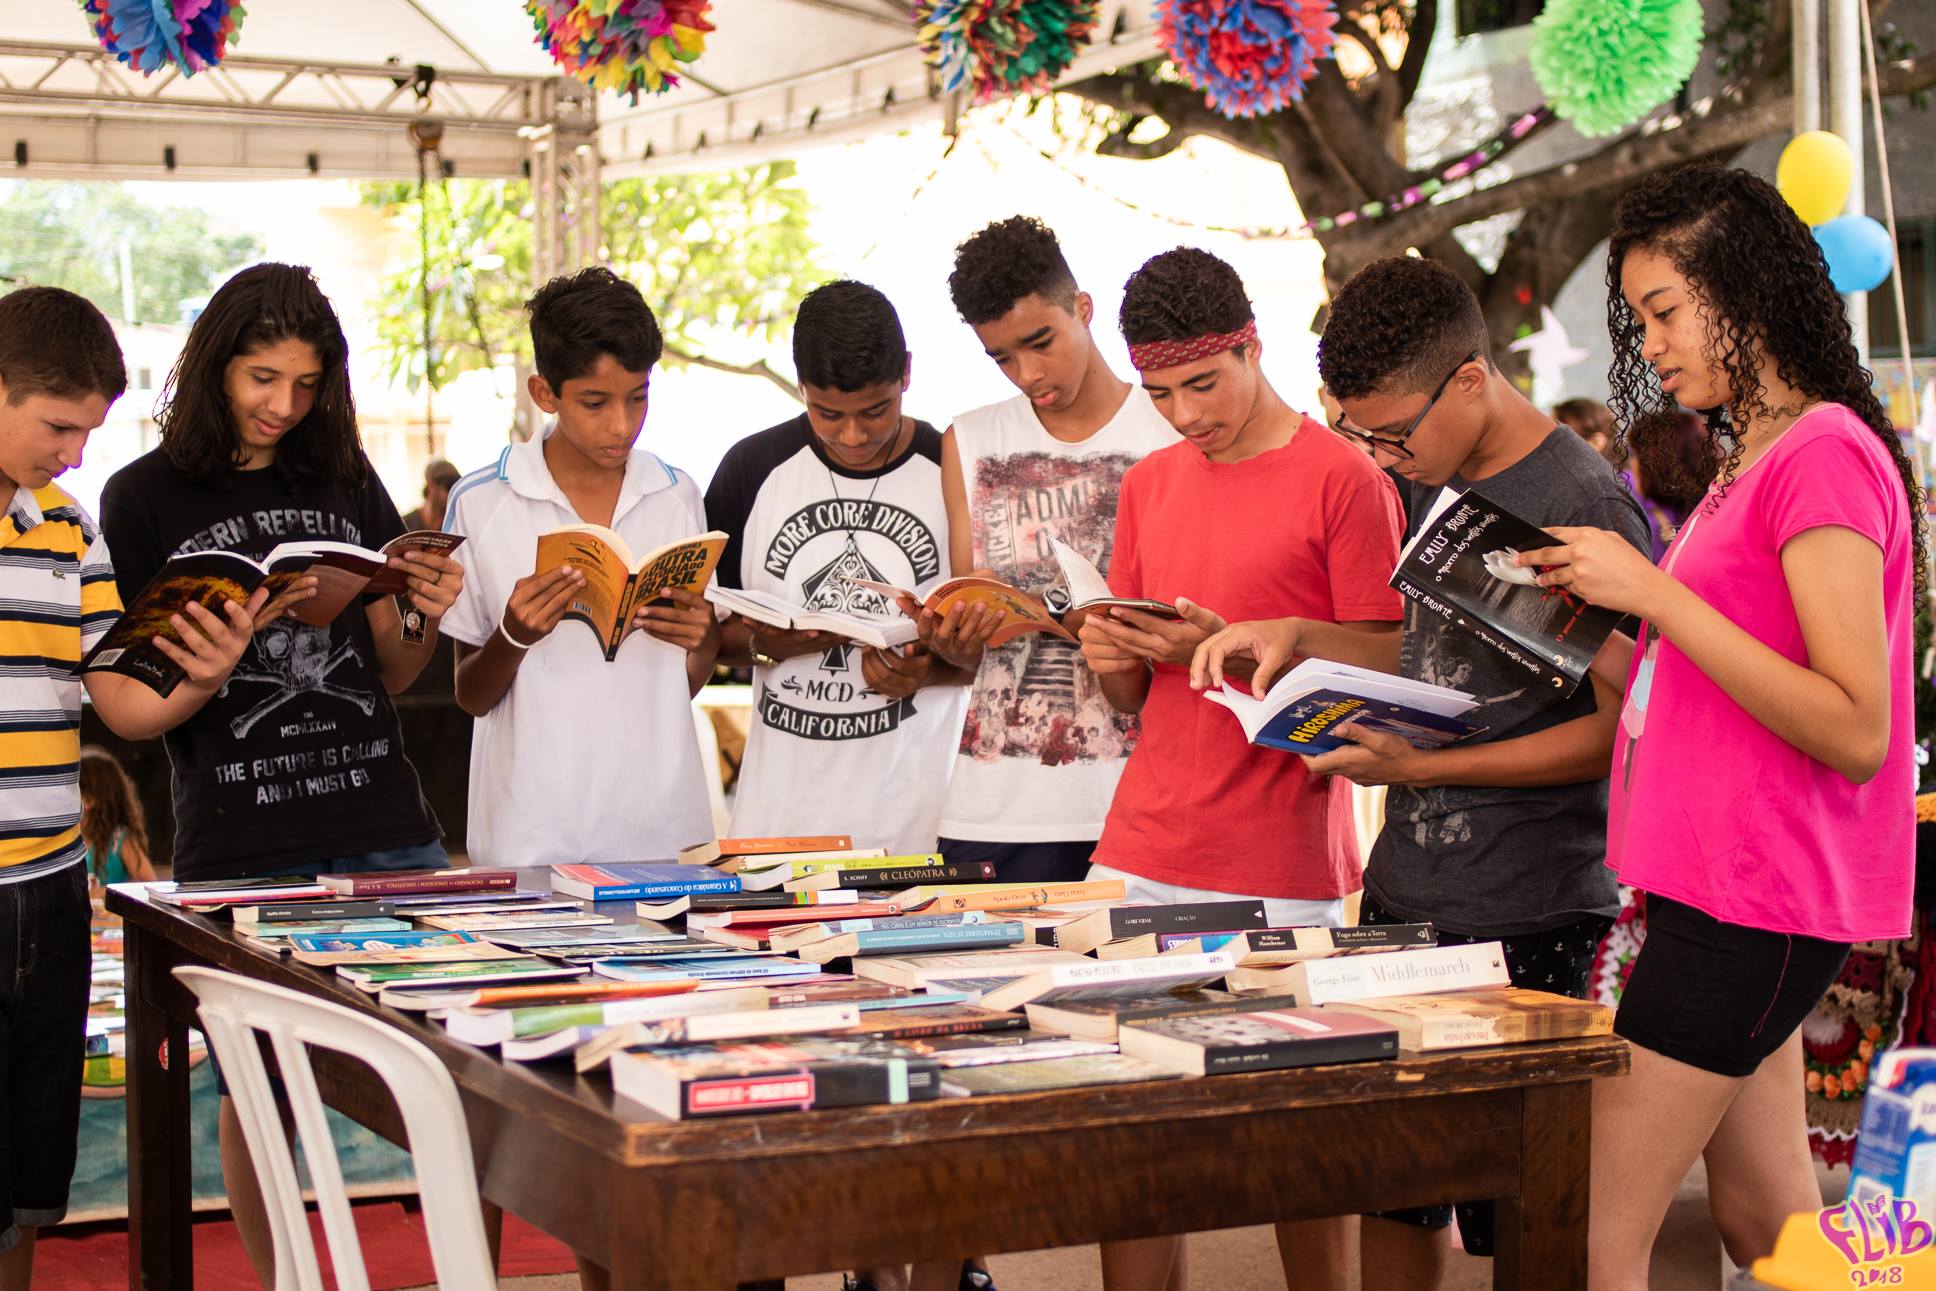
(1763, 776)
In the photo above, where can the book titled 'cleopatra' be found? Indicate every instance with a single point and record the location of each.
(736, 1079)
(635, 881)
(1269, 1040)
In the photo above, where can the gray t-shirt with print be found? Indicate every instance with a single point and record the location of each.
(1496, 861)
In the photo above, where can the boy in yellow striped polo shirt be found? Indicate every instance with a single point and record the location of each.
(60, 369)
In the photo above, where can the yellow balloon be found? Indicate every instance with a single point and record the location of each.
(1814, 175)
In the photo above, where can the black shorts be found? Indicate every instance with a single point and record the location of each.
(1559, 960)
(1024, 862)
(1719, 996)
(45, 961)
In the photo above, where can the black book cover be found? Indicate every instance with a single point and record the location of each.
(1379, 936)
(1453, 569)
(1271, 1040)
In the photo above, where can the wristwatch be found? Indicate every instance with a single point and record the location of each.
(760, 657)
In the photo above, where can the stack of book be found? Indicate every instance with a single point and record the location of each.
(759, 975)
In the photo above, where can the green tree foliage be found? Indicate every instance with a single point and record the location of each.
(72, 235)
(721, 258)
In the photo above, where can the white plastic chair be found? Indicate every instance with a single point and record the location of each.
(233, 1010)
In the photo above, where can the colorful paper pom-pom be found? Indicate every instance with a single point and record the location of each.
(1247, 56)
(629, 47)
(187, 35)
(999, 47)
(1604, 64)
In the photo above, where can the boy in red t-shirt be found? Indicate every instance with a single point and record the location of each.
(1259, 510)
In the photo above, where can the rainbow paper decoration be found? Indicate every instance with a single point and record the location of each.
(189, 36)
(994, 48)
(629, 47)
(1247, 56)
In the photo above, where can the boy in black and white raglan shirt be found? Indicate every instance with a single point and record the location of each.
(845, 739)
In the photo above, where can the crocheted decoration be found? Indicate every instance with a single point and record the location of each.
(1247, 56)
(629, 47)
(994, 48)
(187, 35)
(1606, 63)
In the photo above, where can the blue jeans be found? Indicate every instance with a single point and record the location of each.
(418, 856)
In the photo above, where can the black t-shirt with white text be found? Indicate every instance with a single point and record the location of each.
(1490, 860)
(299, 757)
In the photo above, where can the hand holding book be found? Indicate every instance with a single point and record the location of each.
(1601, 568)
(431, 580)
(210, 646)
(896, 673)
(1140, 635)
(683, 619)
(1370, 757)
(960, 632)
(538, 603)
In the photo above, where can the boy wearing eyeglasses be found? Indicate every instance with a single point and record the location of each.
(1503, 835)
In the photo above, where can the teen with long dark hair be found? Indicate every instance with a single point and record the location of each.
(296, 766)
(1763, 773)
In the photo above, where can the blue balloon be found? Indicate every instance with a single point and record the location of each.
(1858, 251)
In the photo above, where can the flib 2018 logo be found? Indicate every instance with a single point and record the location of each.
(1875, 1234)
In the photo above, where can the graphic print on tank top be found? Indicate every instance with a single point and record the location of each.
(1035, 699)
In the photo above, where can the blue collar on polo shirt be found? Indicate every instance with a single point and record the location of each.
(529, 475)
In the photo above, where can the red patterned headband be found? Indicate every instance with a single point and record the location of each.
(1167, 354)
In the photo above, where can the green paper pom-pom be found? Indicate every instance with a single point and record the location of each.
(1605, 63)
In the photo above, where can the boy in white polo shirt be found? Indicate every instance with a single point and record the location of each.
(576, 758)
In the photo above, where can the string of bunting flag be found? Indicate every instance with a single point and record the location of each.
(1463, 167)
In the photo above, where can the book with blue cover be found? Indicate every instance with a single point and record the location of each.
(707, 968)
(914, 941)
(635, 881)
(1303, 709)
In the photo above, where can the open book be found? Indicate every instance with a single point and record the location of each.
(1308, 702)
(1021, 613)
(1083, 588)
(1458, 568)
(776, 611)
(343, 571)
(618, 583)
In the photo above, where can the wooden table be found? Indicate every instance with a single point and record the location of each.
(708, 1204)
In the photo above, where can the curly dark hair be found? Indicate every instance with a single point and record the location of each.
(847, 337)
(577, 317)
(261, 306)
(1776, 302)
(1180, 294)
(1397, 327)
(1006, 261)
(54, 342)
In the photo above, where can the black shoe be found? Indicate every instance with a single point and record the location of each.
(974, 1279)
(848, 1282)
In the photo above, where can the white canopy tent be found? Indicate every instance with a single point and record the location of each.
(332, 90)
(328, 89)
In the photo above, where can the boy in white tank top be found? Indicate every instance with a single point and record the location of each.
(1041, 749)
